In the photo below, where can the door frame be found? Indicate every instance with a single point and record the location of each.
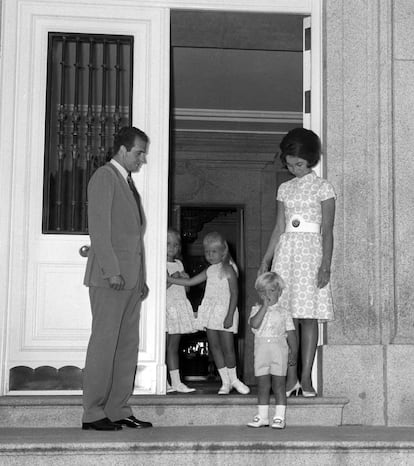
(154, 183)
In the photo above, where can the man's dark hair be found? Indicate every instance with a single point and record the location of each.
(126, 137)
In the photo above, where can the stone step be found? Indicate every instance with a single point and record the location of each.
(208, 445)
(168, 410)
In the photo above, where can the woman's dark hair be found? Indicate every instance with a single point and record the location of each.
(302, 143)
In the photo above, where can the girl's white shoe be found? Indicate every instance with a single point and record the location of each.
(278, 423)
(224, 389)
(182, 388)
(259, 422)
(240, 387)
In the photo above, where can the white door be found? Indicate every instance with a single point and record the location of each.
(48, 307)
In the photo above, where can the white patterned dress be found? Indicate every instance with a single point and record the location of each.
(180, 316)
(298, 255)
(215, 304)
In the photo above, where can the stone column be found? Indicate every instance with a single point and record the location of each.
(359, 162)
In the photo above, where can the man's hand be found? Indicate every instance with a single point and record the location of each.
(116, 282)
(144, 292)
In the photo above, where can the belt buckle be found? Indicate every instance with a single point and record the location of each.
(295, 223)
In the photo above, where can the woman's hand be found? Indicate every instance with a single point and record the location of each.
(264, 267)
(324, 275)
(292, 358)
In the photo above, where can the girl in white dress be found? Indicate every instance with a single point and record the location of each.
(180, 317)
(300, 249)
(217, 313)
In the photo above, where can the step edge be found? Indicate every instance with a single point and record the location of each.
(164, 400)
(203, 446)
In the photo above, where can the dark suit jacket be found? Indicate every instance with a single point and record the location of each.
(116, 231)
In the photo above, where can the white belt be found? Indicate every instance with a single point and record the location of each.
(297, 224)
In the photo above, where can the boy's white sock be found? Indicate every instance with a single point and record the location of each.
(224, 374)
(175, 378)
(232, 374)
(280, 411)
(263, 411)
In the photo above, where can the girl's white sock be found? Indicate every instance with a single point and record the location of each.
(224, 374)
(280, 411)
(175, 377)
(232, 374)
(263, 411)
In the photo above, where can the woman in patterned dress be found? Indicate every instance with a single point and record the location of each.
(300, 249)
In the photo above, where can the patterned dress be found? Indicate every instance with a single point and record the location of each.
(180, 316)
(215, 304)
(298, 255)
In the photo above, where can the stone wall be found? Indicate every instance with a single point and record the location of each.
(368, 101)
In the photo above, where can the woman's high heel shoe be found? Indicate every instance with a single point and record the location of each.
(295, 390)
(306, 394)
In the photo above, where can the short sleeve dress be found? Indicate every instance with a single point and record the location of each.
(298, 255)
(215, 304)
(180, 316)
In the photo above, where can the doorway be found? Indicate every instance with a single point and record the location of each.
(33, 332)
(194, 222)
(236, 89)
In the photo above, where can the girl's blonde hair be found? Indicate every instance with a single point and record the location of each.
(176, 233)
(215, 237)
(269, 278)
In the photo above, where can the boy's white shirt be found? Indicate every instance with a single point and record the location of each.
(276, 322)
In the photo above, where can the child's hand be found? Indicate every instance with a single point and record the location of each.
(228, 321)
(176, 275)
(265, 300)
(168, 282)
(184, 275)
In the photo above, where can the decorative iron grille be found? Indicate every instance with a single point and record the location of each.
(89, 97)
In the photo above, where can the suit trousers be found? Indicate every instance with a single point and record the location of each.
(112, 354)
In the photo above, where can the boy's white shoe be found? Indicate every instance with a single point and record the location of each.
(240, 387)
(224, 389)
(278, 423)
(259, 422)
(182, 388)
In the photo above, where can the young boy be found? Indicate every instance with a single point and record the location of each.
(274, 335)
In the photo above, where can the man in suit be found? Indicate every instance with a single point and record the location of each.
(115, 275)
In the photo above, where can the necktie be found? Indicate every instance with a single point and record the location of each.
(136, 195)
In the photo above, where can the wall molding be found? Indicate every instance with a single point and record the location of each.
(234, 121)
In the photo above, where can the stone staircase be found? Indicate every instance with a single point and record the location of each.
(170, 410)
(195, 429)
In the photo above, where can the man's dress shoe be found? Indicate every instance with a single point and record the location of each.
(101, 424)
(133, 422)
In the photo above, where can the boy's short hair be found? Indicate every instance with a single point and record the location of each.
(269, 278)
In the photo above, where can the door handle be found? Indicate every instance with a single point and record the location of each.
(84, 250)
